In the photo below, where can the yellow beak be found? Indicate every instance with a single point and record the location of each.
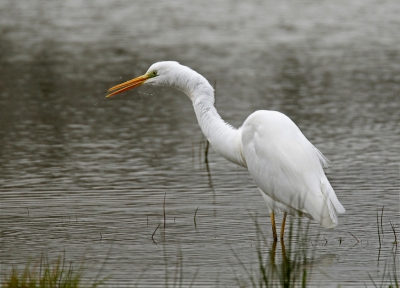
(127, 85)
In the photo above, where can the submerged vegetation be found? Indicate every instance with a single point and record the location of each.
(389, 278)
(293, 269)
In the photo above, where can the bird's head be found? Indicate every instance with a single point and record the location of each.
(165, 73)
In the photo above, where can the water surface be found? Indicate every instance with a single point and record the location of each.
(88, 175)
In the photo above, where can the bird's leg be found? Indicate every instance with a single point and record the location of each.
(283, 250)
(273, 252)
(274, 227)
(283, 225)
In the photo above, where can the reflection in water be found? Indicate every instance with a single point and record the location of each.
(290, 269)
(85, 167)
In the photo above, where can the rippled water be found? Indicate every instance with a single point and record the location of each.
(87, 175)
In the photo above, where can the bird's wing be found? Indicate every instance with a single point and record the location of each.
(286, 166)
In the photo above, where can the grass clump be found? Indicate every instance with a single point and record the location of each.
(293, 269)
(389, 278)
(48, 275)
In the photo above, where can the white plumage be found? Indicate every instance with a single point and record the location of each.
(286, 167)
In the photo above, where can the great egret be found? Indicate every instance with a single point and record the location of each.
(286, 167)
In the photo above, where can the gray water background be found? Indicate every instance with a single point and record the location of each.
(87, 176)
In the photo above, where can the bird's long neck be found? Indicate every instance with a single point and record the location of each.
(225, 139)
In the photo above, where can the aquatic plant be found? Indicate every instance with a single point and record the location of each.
(389, 278)
(292, 270)
(50, 275)
(178, 272)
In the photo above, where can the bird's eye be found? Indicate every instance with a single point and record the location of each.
(152, 73)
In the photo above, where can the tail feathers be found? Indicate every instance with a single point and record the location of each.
(322, 159)
(332, 215)
(328, 192)
(325, 214)
(320, 208)
(327, 189)
(338, 206)
(333, 206)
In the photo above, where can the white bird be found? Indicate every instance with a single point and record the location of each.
(286, 167)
